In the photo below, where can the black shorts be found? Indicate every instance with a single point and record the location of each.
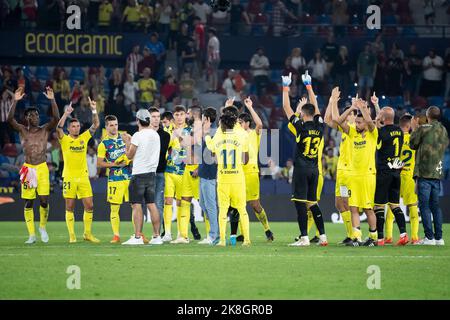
(388, 188)
(304, 184)
(142, 188)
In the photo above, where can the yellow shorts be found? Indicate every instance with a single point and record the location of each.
(172, 187)
(77, 188)
(342, 184)
(43, 182)
(190, 185)
(231, 195)
(118, 191)
(252, 186)
(362, 191)
(407, 189)
(319, 187)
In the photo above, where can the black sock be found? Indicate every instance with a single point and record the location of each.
(318, 218)
(379, 213)
(234, 220)
(400, 219)
(302, 218)
(192, 220)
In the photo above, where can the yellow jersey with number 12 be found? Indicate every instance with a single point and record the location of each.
(408, 157)
(74, 152)
(228, 147)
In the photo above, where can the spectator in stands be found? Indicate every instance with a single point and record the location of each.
(92, 162)
(187, 12)
(169, 89)
(202, 10)
(260, 69)
(234, 87)
(288, 171)
(187, 87)
(200, 43)
(432, 74)
(182, 41)
(115, 85)
(188, 56)
(394, 72)
(147, 14)
(158, 49)
(330, 164)
(130, 88)
(413, 64)
(219, 19)
(133, 60)
(341, 72)
(298, 62)
(174, 29)
(318, 71)
(447, 75)
(147, 89)
(8, 81)
(279, 12)
(213, 55)
(105, 12)
(6, 131)
(378, 45)
(163, 11)
(116, 16)
(84, 114)
(61, 89)
(288, 68)
(330, 51)
(131, 16)
(339, 17)
(366, 68)
(275, 170)
(237, 15)
(55, 157)
(429, 12)
(148, 61)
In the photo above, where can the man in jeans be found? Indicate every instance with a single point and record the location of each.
(164, 137)
(430, 140)
(207, 172)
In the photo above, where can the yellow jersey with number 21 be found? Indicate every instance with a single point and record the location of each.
(74, 152)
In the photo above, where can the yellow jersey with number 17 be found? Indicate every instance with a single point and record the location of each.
(74, 152)
(228, 147)
(408, 157)
(363, 148)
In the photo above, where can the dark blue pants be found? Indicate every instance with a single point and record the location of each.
(428, 192)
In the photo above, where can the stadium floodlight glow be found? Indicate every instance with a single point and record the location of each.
(355, 84)
(384, 97)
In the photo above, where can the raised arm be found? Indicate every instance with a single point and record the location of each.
(95, 120)
(362, 106)
(18, 95)
(258, 122)
(62, 121)
(312, 97)
(332, 103)
(342, 120)
(374, 99)
(286, 102)
(131, 149)
(55, 112)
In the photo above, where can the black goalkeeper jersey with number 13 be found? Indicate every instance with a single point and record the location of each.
(308, 137)
(389, 148)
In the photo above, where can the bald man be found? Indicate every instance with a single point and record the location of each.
(389, 148)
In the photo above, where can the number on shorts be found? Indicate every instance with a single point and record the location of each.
(112, 190)
(349, 193)
(25, 185)
(66, 185)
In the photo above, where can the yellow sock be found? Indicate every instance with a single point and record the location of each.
(29, 220)
(414, 221)
(389, 223)
(70, 222)
(357, 234)
(87, 220)
(262, 217)
(115, 218)
(347, 217)
(207, 226)
(184, 218)
(178, 219)
(245, 222)
(310, 220)
(223, 212)
(373, 235)
(168, 218)
(43, 213)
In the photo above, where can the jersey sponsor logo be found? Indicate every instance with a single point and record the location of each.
(360, 144)
(77, 149)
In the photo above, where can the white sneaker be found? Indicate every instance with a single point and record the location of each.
(31, 240)
(156, 240)
(167, 237)
(440, 242)
(323, 240)
(427, 242)
(134, 241)
(206, 241)
(44, 235)
(180, 240)
(302, 242)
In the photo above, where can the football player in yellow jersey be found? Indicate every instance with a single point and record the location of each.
(251, 169)
(344, 160)
(363, 171)
(231, 150)
(407, 185)
(111, 155)
(76, 182)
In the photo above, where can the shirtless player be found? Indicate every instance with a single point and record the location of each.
(35, 176)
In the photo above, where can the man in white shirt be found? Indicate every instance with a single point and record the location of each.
(202, 10)
(432, 74)
(260, 67)
(143, 149)
(213, 58)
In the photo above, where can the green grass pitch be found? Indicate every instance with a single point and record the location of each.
(262, 271)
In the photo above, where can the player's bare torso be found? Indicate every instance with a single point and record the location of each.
(34, 143)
